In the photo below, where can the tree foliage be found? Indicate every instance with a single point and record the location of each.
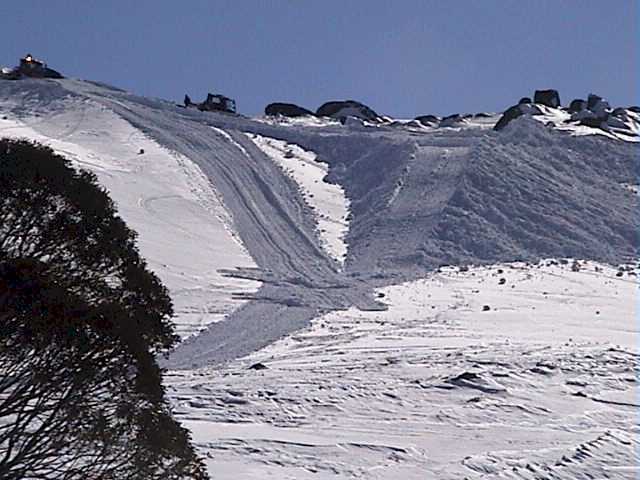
(82, 320)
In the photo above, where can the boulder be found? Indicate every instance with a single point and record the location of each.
(515, 112)
(619, 112)
(351, 121)
(598, 105)
(508, 115)
(594, 122)
(592, 100)
(582, 114)
(428, 120)
(348, 108)
(451, 120)
(415, 124)
(550, 98)
(524, 100)
(257, 366)
(530, 109)
(618, 121)
(577, 105)
(286, 110)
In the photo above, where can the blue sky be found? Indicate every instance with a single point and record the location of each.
(401, 57)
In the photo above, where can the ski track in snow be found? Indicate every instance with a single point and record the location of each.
(542, 385)
(327, 200)
(416, 381)
(185, 233)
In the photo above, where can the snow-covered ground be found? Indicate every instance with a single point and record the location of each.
(377, 366)
(184, 232)
(327, 200)
(542, 385)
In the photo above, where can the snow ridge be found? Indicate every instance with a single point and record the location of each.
(327, 200)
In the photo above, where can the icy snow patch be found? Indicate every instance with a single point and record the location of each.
(328, 201)
(185, 232)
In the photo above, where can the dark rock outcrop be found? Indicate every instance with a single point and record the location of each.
(577, 105)
(594, 122)
(593, 100)
(550, 98)
(451, 120)
(524, 100)
(286, 110)
(598, 105)
(348, 108)
(257, 366)
(427, 120)
(619, 112)
(509, 114)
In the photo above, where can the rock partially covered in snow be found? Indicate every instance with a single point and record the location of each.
(348, 108)
(428, 120)
(451, 120)
(351, 121)
(514, 112)
(509, 114)
(9, 74)
(599, 106)
(549, 98)
(595, 114)
(286, 110)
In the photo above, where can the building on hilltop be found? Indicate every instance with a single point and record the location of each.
(29, 67)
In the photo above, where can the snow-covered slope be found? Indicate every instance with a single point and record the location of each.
(378, 367)
(541, 385)
(185, 233)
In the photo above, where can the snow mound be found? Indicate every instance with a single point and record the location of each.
(465, 197)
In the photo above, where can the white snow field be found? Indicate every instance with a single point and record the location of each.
(337, 256)
(542, 385)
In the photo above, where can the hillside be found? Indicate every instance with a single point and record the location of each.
(314, 248)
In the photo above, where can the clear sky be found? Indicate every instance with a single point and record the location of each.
(401, 57)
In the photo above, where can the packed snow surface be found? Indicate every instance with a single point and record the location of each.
(383, 363)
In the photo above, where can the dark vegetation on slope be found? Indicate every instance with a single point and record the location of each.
(81, 321)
